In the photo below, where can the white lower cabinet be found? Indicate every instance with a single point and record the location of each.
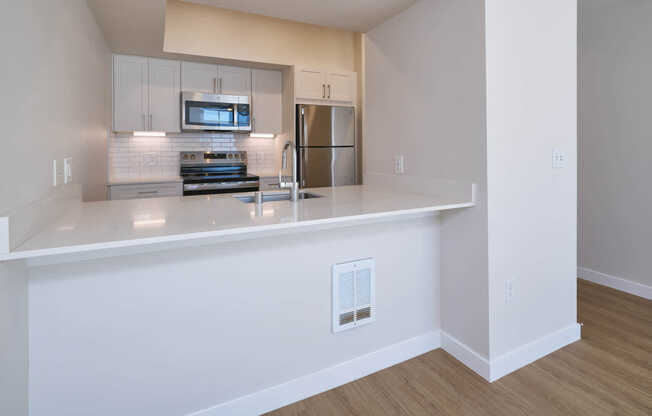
(154, 190)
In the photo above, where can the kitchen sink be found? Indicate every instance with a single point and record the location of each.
(277, 196)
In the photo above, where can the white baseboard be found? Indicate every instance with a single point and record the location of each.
(529, 353)
(466, 355)
(298, 389)
(492, 370)
(309, 385)
(618, 283)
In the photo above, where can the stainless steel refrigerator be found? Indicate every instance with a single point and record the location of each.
(326, 146)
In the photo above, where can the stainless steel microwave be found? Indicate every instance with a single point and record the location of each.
(213, 112)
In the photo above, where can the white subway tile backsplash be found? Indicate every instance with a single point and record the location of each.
(159, 156)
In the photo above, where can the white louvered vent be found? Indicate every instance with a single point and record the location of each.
(354, 294)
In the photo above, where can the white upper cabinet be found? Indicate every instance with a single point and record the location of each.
(336, 87)
(130, 93)
(215, 79)
(199, 77)
(267, 101)
(341, 86)
(310, 84)
(234, 80)
(146, 94)
(164, 95)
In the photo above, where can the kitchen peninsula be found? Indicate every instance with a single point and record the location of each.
(171, 291)
(109, 225)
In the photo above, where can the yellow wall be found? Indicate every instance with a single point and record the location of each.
(208, 31)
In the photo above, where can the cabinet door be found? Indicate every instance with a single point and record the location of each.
(267, 101)
(310, 84)
(235, 80)
(130, 93)
(341, 86)
(199, 77)
(165, 95)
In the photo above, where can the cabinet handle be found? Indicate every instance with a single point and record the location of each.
(219, 86)
(144, 121)
(151, 122)
(214, 85)
(323, 90)
(329, 91)
(147, 192)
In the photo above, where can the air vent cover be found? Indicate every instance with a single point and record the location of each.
(354, 294)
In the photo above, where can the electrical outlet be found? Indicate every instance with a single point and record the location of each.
(260, 157)
(150, 159)
(399, 164)
(509, 292)
(67, 170)
(558, 159)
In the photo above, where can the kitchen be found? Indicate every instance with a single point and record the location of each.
(238, 206)
(155, 140)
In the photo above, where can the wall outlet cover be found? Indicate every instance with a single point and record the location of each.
(150, 159)
(558, 159)
(399, 164)
(67, 170)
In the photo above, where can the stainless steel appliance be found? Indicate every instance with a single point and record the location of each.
(326, 146)
(206, 173)
(210, 112)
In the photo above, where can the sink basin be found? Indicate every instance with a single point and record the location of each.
(278, 196)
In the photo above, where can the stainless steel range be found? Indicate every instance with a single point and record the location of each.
(207, 173)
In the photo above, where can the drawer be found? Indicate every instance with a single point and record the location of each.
(155, 190)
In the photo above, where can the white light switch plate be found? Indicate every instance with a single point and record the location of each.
(399, 164)
(54, 173)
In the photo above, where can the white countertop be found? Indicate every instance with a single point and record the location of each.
(144, 180)
(107, 225)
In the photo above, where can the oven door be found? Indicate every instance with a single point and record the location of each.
(208, 112)
(226, 187)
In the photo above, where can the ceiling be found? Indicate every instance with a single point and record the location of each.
(129, 26)
(356, 15)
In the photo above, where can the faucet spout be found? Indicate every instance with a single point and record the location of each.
(294, 185)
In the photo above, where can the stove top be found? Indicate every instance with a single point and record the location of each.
(216, 173)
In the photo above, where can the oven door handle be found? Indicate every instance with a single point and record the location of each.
(218, 185)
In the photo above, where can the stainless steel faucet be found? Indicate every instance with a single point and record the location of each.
(294, 185)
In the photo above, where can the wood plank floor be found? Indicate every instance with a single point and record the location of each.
(608, 372)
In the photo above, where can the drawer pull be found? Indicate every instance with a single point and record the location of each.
(147, 192)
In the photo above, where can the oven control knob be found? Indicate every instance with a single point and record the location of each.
(230, 156)
(192, 157)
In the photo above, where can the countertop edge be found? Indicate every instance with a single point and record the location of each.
(252, 232)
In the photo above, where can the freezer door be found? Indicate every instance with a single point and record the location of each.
(322, 166)
(323, 125)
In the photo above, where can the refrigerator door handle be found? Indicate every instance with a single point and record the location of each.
(304, 130)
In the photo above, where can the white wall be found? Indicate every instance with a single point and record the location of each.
(13, 340)
(54, 75)
(499, 132)
(531, 110)
(425, 99)
(173, 332)
(615, 141)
